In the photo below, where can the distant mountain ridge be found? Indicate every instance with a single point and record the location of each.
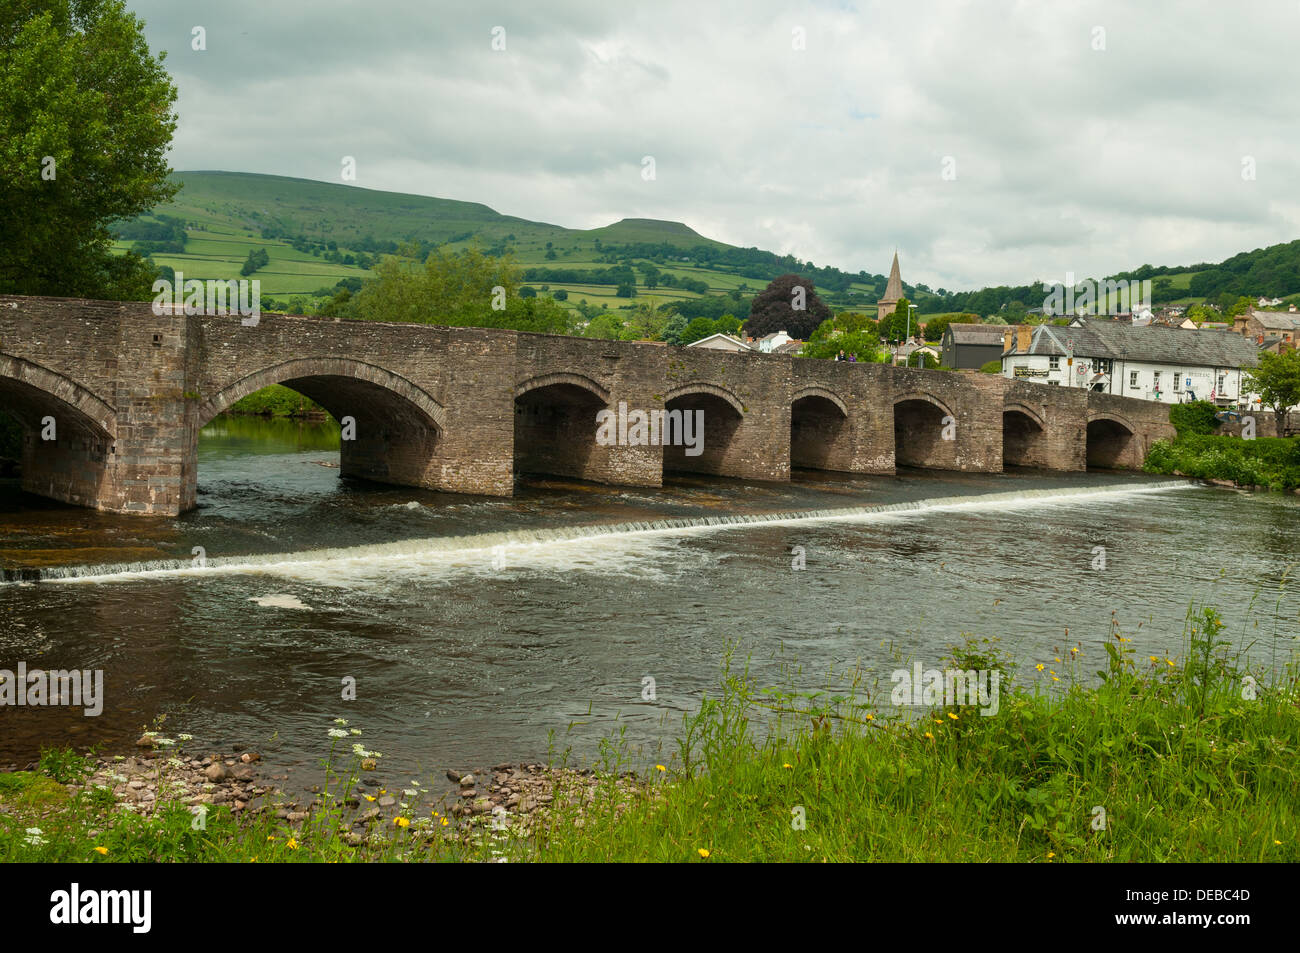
(223, 206)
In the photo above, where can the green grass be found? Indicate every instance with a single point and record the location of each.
(1160, 759)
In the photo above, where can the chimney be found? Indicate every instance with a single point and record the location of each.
(1024, 335)
(1006, 340)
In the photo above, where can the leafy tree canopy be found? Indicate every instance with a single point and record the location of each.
(85, 121)
(1277, 382)
(776, 308)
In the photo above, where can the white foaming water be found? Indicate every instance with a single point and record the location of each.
(606, 548)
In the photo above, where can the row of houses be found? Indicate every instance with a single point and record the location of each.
(1151, 362)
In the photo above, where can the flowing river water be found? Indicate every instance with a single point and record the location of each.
(481, 630)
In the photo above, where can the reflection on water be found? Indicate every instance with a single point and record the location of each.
(475, 626)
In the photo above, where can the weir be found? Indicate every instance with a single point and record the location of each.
(459, 553)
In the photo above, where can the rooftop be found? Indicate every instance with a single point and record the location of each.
(1156, 344)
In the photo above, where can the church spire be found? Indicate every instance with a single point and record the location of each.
(894, 290)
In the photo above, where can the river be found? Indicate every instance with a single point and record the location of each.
(480, 630)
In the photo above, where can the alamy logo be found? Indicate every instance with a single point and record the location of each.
(74, 906)
(654, 428)
(192, 296)
(38, 688)
(952, 687)
(1097, 297)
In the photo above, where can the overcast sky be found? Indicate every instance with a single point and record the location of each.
(1083, 136)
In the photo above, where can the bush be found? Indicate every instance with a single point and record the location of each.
(1265, 461)
(992, 367)
(1198, 417)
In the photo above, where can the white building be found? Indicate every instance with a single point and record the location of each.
(721, 342)
(770, 342)
(1151, 362)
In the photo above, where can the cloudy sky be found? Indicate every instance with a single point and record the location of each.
(989, 142)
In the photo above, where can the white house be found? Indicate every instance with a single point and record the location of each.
(721, 342)
(1151, 362)
(770, 342)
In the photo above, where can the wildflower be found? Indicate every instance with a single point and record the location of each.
(1051, 854)
(930, 736)
(402, 821)
(445, 822)
(34, 838)
(952, 715)
(703, 852)
(1074, 650)
(368, 797)
(870, 717)
(337, 733)
(291, 844)
(1170, 661)
(1040, 666)
(1278, 843)
(341, 721)
(1153, 658)
(1058, 658)
(1055, 679)
(788, 766)
(660, 767)
(102, 851)
(185, 737)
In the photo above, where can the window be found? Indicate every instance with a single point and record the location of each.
(1178, 381)
(1223, 383)
(1102, 365)
(1132, 378)
(1155, 381)
(1054, 363)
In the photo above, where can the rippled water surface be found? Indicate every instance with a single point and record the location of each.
(474, 627)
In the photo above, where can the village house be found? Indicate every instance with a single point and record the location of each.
(1167, 364)
(1260, 325)
(971, 346)
(722, 342)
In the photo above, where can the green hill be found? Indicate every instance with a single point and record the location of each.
(316, 234)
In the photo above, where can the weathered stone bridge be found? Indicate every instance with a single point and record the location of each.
(465, 409)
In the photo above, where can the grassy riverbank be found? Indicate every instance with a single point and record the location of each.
(1184, 759)
(1272, 462)
(1202, 452)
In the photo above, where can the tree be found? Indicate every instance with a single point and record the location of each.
(1277, 382)
(85, 122)
(896, 326)
(863, 345)
(698, 330)
(460, 289)
(777, 308)
(672, 332)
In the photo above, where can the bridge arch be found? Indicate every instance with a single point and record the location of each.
(398, 425)
(1112, 441)
(711, 415)
(1024, 436)
(924, 435)
(704, 388)
(820, 435)
(311, 373)
(67, 433)
(574, 380)
(555, 426)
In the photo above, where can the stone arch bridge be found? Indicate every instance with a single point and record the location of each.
(465, 409)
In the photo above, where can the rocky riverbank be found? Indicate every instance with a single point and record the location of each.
(505, 797)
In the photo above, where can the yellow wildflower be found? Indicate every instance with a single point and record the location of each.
(703, 852)
(291, 844)
(101, 850)
(402, 821)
